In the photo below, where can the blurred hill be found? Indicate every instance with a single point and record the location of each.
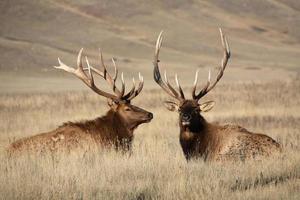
(264, 36)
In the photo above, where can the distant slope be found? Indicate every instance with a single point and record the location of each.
(261, 33)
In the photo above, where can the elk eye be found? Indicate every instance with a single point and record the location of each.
(127, 109)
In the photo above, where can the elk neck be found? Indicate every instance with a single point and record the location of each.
(198, 125)
(109, 129)
(123, 136)
(119, 127)
(194, 138)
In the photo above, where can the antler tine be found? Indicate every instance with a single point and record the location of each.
(79, 60)
(204, 89)
(171, 88)
(157, 76)
(131, 91)
(225, 59)
(70, 69)
(139, 89)
(195, 84)
(92, 68)
(79, 72)
(102, 62)
(116, 70)
(141, 84)
(122, 87)
(224, 62)
(89, 69)
(158, 46)
(179, 87)
(108, 78)
(225, 44)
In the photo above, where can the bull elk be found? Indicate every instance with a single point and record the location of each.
(115, 129)
(200, 139)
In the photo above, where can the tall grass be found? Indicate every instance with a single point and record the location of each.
(157, 168)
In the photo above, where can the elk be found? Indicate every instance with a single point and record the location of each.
(115, 129)
(201, 139)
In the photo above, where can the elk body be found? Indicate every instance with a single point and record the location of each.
(115, 129)
(201, 139)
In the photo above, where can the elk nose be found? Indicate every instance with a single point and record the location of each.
(185, 117)
(150, 115)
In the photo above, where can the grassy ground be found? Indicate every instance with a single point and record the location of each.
(157, 168)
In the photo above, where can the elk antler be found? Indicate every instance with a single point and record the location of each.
(164, 84)
(134, 92)
(89, 80)
(224, 62)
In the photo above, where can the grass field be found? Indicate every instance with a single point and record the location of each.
(157, 168)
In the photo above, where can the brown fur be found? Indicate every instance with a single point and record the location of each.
(112, 130)
(201, 139)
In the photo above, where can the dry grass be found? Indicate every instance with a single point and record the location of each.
(157, 168)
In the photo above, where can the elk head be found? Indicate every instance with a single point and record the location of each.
(119, 101)
(189, 109)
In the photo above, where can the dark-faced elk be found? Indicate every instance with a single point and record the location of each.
(115, 129)
(200, 139)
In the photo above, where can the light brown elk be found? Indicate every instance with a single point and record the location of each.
(115, 129)
(200, 139)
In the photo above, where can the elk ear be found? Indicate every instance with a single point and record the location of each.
(171, 106)
(207, 106)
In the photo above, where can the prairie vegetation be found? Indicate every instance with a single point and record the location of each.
(157, 168)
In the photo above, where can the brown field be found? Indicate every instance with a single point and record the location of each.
(157, 168)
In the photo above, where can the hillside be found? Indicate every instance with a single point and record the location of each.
(264, 36)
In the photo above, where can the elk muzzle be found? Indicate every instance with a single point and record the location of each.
(147, 117)
(185, 119)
